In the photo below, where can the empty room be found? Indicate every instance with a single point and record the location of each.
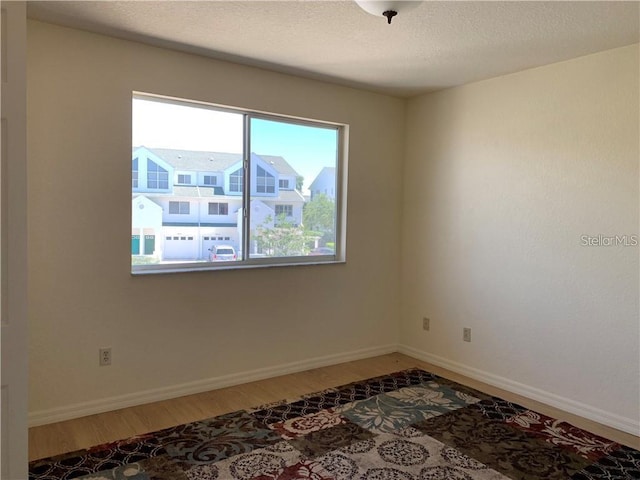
(320, 239)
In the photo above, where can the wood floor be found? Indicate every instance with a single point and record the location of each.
(53, 439)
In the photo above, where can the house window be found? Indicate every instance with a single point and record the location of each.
(134, 173)
(286, 210)
(235, 181)
(157, 177)
(179, 208)
(211, 180)
(257, 176)
(265, 182)
(218, 209)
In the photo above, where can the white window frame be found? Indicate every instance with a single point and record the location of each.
(218, 204)
(183, 207)
(213, 178)
(283, 206)
(265, 183)
(181, 177)
(135, 174)
(342, 134)
(161, 172)
(240, 183)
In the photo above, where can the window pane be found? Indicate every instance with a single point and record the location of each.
(203, 144)
(235, 181)
(210, 180)
(134, 174)
(298, 159)
(218, 209)
(188, 187)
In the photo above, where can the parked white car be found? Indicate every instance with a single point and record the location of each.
(222, 253)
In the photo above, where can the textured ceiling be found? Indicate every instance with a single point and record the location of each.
(434, 46)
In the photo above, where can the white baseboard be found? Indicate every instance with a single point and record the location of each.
(613, 420)
(43, 417)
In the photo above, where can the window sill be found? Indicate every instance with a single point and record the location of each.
(225, 266)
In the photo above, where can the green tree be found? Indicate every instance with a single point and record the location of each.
(319, 216)
(284, 239)
(299, 182)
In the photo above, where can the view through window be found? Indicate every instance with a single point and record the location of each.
(214, 187)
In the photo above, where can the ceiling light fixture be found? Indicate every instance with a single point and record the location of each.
(387, 8)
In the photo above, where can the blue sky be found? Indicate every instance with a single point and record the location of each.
(164, 125)
(307, 149)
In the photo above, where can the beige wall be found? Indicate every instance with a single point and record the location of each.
(167, 330)
(501, 179)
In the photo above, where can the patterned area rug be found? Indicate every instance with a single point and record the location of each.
(410, 425)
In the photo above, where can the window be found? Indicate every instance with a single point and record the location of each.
(134, 173)
(218, 209)
(157, 177)
(210, 180)
(179, 208)
(266, 183)
(235, 181)
(286, 210)
(258, 167)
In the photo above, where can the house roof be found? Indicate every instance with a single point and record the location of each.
(204, 161)
(196, 192)
(218, 194)
(324, 172)
(287, 196)
(185, 191)
(280, 164)
(193, 160)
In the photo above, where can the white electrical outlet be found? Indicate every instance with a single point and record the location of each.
(425, 323)
(105, 356)
(466, 334)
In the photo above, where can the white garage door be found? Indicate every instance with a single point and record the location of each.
(180, 247)
(209, 241)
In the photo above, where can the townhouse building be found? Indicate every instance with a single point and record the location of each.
(184, 202)
(324, 184)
